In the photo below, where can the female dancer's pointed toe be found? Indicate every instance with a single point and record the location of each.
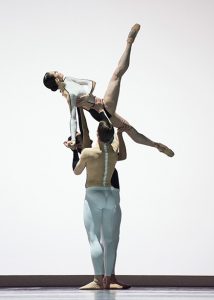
(164, 149)
(133, 33)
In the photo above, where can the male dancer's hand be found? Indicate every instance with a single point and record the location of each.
(70, 144)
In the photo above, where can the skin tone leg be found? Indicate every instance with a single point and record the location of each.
(137, 137)
(113, 89)
(112, 94)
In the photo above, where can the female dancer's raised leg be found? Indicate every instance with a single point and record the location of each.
(112, 93)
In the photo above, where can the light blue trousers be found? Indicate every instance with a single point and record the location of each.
(102, 216)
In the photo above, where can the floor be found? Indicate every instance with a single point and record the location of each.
(133, 293)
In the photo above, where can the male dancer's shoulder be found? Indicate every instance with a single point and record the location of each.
(89, 153)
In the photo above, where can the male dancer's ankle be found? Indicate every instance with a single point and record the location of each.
(117, 284)
(99, 279)
(106, 282)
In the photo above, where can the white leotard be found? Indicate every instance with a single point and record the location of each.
(76, 88)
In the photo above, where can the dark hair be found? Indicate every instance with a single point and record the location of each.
(105, 131)
(49, 82)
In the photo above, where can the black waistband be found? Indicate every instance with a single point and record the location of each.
(107, 113)
(99, 116)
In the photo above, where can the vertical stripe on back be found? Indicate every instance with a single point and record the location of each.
(106, 159)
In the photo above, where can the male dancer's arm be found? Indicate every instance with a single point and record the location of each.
(75, 154)
(82, 162)
(122, 155)
(84, 129)
(85, 136)
(75, 158)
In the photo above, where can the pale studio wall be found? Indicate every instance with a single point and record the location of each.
(167, 203)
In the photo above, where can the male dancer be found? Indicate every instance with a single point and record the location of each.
(83, 141)
(79, 93)
(101, 200)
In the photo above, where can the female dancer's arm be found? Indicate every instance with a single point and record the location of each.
(73, 120)
(71, 100)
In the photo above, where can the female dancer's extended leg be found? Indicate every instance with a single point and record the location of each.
(112, 94)
(118, 122)
(113, 89)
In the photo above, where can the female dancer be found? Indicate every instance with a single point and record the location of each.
(79, 93)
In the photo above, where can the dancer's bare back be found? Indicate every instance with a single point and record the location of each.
(100, 163)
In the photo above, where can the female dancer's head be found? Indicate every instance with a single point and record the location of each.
(53, 80)
(105, 132)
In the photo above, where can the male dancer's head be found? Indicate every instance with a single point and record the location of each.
(53, 80)
(105, 132)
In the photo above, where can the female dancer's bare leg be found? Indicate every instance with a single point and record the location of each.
(112, 94)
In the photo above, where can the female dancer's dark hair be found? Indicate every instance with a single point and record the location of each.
(49, 82)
